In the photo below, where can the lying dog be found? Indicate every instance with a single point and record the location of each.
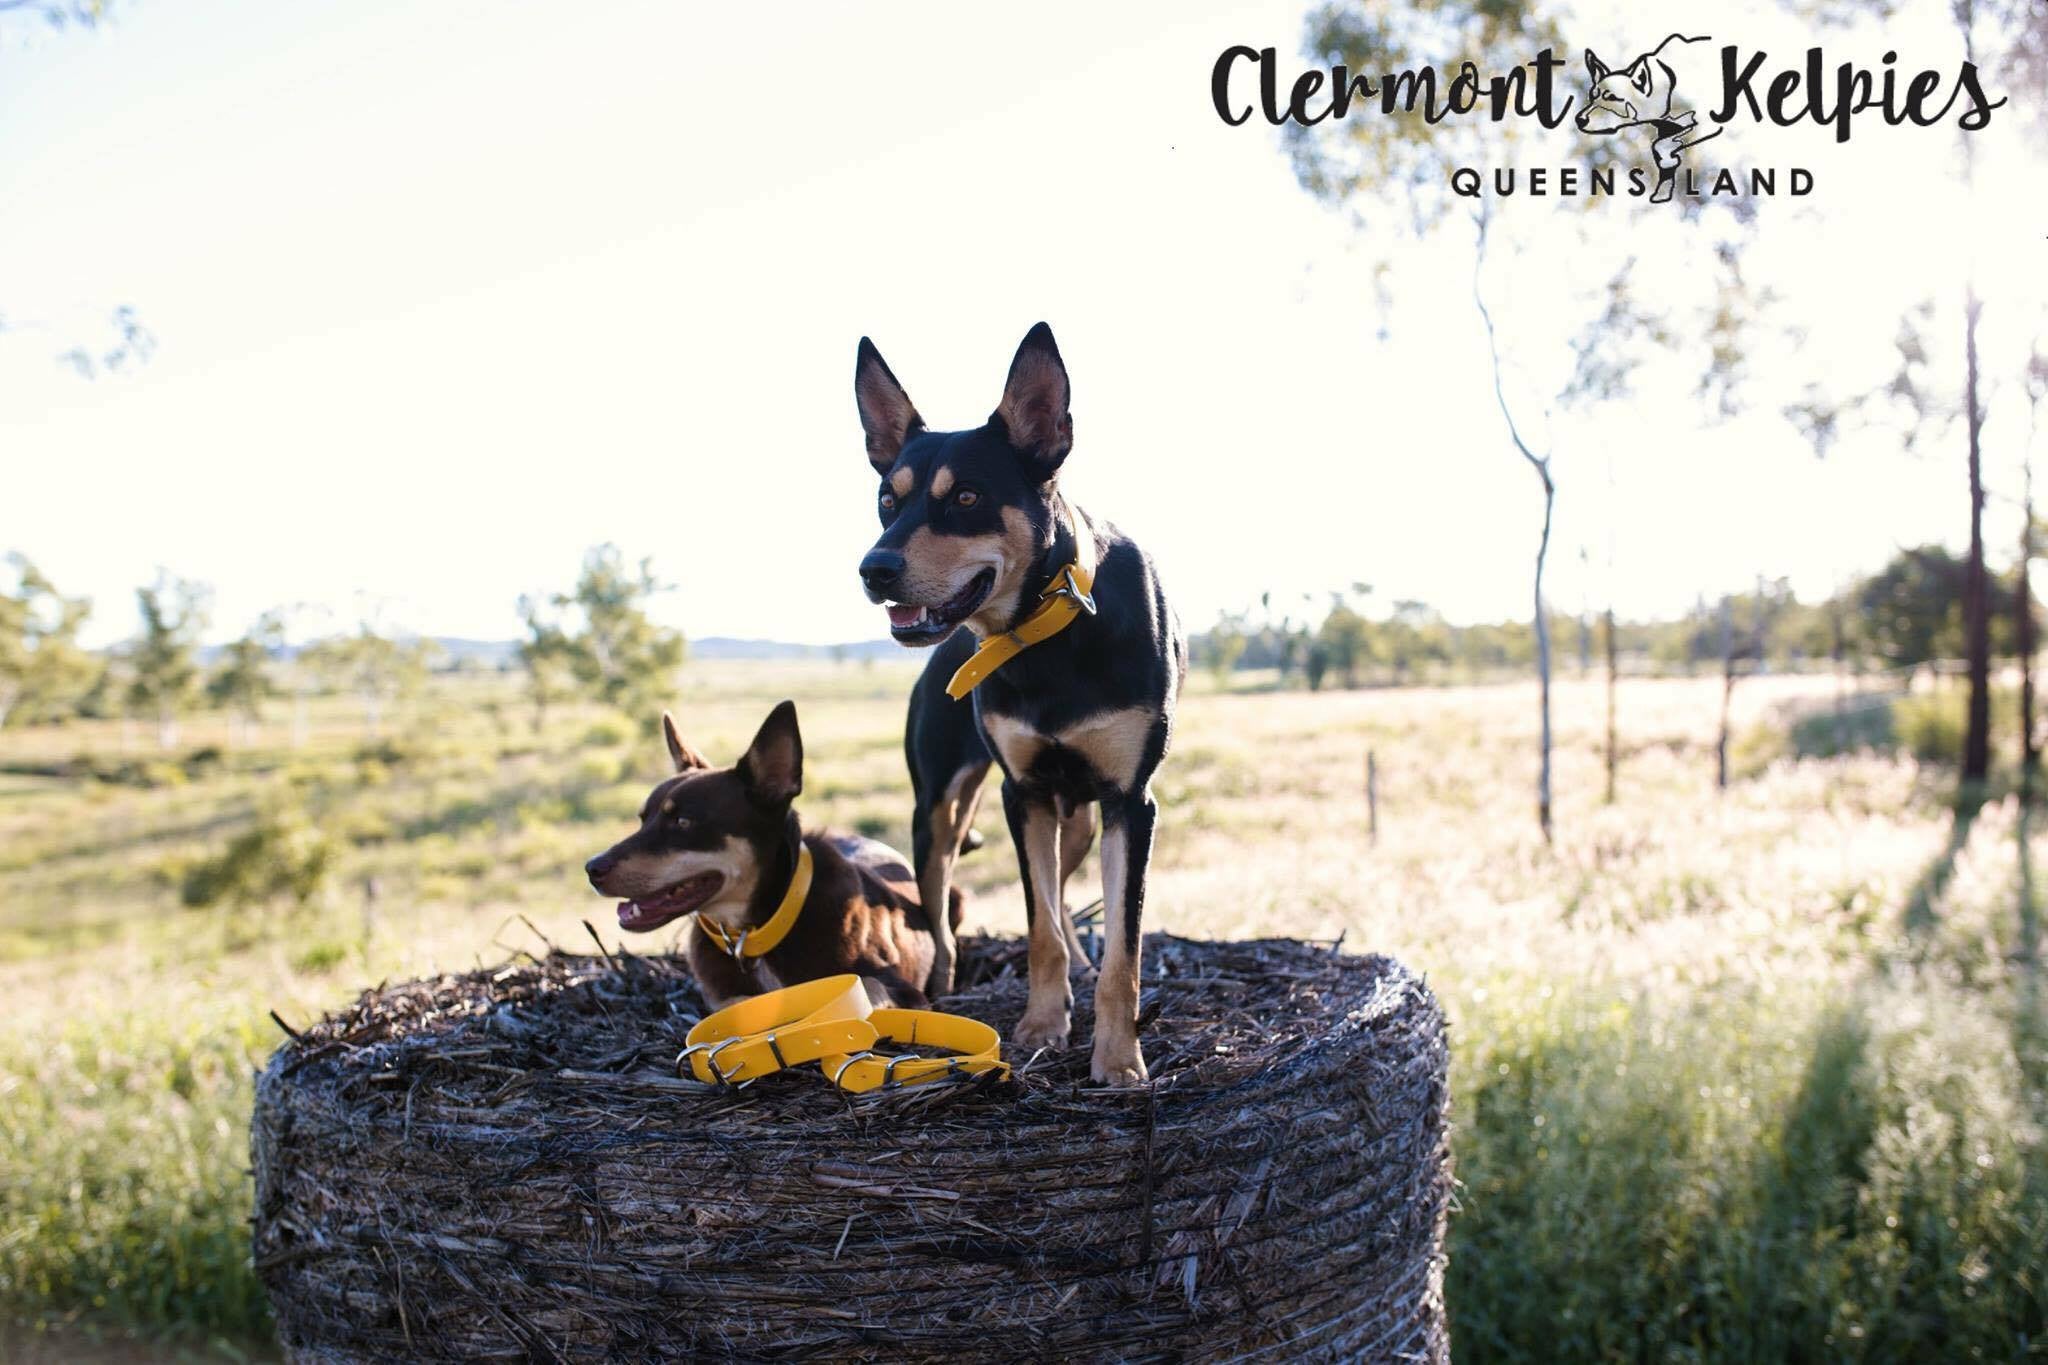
(1078, 665)
(774, 906)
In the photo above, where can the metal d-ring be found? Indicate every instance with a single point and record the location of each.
(739, 945)
(1067, 588)
(850, 1060)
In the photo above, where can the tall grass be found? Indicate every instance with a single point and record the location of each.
(1756, 1076)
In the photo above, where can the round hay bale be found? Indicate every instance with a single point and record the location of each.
(504, 1165)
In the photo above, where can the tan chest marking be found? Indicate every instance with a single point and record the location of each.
(1113, 742)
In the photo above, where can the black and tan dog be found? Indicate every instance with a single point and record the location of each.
(1078, 660)
(774, 905)
(949, 762)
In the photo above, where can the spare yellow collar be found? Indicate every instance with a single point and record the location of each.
(979, 1046)
(762, 938)
(783, 1028)
(829, 1021)
(1064, 600)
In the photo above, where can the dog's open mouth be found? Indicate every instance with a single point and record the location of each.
(921, 625)
(651, 912)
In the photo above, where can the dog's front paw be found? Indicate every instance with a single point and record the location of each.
(1042, 1029)
(1120, 1066)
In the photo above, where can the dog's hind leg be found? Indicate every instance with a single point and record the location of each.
(1077, 836)
(1127, 825)
(1048, 1009)
(944, 818)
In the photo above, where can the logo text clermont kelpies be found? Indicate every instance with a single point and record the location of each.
(1662, 93)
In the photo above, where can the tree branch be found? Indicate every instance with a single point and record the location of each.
(1540, 463)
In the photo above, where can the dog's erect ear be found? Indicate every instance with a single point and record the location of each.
(686, 758)
(1596, 69)
(1640, 74)
(1035, 400)
(887, 415)
(773, 767)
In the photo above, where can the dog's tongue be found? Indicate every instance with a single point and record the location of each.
(901, 615)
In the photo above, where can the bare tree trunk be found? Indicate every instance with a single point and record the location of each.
(1840, 648)
(1541, 464)
(1727, 690)
(1613, 682)
(2023, 637)
(1543, 648)
(1976, 589)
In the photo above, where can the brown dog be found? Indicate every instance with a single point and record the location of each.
(725, 846)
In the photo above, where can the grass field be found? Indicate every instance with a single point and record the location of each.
(1753, 1076)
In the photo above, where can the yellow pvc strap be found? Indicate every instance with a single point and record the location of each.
(763, 937)
(765, 1033)
(976, 1043)
(1057, 612)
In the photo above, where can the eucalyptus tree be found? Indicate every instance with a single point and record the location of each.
(163, 659)
(1407, 171)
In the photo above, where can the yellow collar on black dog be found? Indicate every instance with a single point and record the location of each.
(1065, 598)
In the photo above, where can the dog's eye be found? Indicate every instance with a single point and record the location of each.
(966, 497)
(682, 822)
(888, 502)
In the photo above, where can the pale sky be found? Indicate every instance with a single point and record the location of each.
(444, 294)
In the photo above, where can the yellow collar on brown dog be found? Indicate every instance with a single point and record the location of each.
(1068, 595)
(761, 938)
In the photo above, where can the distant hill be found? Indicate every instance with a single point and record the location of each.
(728, 647)
(459, 652)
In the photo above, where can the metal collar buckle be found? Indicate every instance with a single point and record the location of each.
(711, 1051)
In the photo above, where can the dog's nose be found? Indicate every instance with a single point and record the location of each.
(880, 570)
(600, 867)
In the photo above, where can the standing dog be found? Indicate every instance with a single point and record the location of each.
(774, 906)
(1078, 665)
(948, 763)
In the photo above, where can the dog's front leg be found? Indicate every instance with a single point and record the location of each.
(936, 843)
(1127, 824)
(1035, 829)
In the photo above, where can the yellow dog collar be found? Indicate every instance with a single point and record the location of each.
(767, 1033)
(1065, 599)
(863, 1071)
(761, 938)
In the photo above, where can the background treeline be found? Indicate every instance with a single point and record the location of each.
(1906, 616)
(592, 642)
(596, 642)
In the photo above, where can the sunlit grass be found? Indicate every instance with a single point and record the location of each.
(1750, 1075)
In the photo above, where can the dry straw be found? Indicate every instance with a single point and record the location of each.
(504, 1165)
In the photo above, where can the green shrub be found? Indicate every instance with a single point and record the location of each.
(282, 855)
(607, 733)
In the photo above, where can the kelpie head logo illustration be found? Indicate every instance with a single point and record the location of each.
(1644, 95)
